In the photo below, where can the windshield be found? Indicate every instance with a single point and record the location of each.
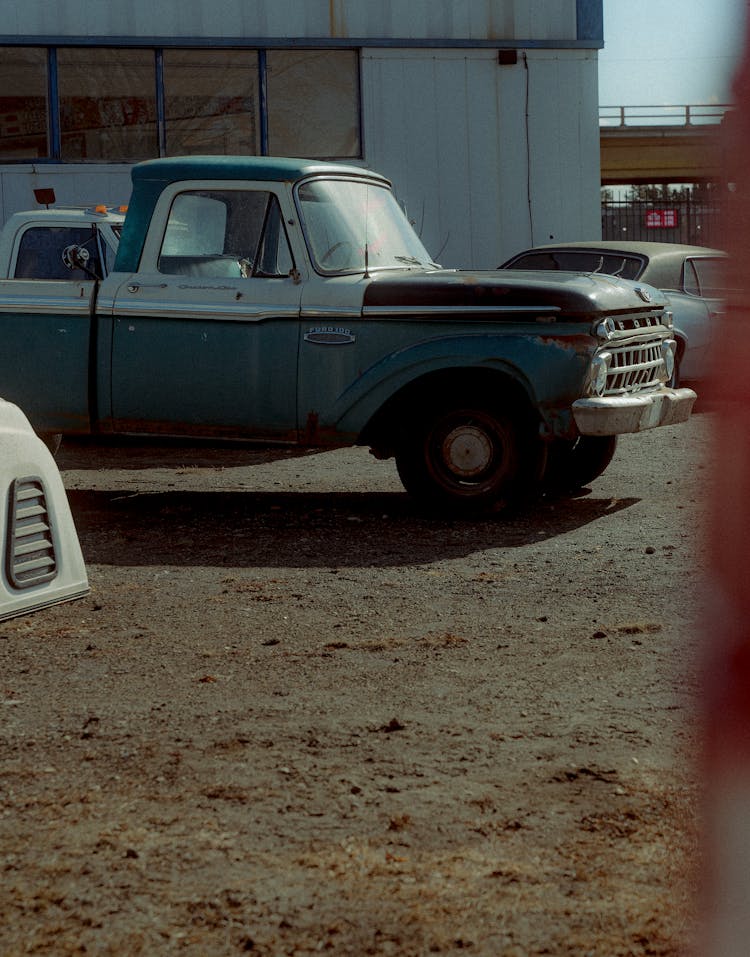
(357, 226)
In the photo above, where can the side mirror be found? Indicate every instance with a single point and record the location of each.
(76, 257)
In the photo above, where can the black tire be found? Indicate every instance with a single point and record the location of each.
(467, 458)
(571, 465)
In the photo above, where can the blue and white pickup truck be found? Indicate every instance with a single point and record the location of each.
(290, 301)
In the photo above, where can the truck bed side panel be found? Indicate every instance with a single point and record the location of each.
(45, 331)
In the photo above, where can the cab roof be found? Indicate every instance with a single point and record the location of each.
(152, 176)
(260, 168)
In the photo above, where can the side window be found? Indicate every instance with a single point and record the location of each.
(690, 281)
(40, 252)
(225, 234)
(274, 255)
(705, 277)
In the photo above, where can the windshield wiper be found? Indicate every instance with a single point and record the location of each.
(413, 261)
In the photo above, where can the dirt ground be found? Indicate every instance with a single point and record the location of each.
(296, 715)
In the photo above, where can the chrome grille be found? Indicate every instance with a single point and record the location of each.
(30, 556)
(635, 365)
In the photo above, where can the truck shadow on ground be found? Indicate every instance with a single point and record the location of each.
(298, 529)
(128, 454)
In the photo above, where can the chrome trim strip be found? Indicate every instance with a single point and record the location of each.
(241, 312)
(329, 312)
(54, 307)
(452, 310)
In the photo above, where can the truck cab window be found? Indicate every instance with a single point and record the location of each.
(225, 234)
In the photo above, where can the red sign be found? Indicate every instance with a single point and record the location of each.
(662, 219)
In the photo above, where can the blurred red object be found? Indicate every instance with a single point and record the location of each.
(726, 931)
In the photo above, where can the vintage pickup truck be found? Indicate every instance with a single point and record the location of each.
(290, 301)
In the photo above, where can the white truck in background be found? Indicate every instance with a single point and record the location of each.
(41, 563)
(61, 243)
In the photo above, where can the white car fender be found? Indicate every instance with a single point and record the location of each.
(40, 556)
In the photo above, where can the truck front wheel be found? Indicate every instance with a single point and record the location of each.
(466, 458)
(571, 465)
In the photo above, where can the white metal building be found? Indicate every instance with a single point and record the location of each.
(484, 113)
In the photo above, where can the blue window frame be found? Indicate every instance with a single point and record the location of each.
(94, 103)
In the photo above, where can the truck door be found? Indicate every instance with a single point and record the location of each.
(45, 329)
(205, 338)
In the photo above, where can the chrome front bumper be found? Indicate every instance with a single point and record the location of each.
(616, 415)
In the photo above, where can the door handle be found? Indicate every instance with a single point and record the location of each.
(134, 287)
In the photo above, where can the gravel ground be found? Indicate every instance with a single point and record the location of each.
(296, 715)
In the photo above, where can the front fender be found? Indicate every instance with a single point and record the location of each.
(550, 369)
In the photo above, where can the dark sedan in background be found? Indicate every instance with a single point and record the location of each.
(691, 276)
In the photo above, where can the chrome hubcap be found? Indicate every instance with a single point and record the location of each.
(467, 451)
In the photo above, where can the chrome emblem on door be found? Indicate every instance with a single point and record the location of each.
(329, 336)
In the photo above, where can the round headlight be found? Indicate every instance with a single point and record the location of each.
(598, 375)
(668, 350)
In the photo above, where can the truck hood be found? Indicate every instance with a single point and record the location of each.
(567, 294)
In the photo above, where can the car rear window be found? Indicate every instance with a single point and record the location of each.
(627, 267)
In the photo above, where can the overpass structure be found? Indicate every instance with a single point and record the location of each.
(662, 144)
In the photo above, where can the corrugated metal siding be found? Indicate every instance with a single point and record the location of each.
(74, 185)
(450, 130)
(564, 139)
(434, 19)
(419, 132)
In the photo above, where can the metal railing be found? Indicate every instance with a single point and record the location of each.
(701, 114)
(699, 222)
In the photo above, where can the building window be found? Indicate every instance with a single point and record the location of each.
(23, 103)
(121, 105)
(211, 102)
(107, 104)
(313, 103)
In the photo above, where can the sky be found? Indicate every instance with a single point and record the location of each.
(670, 52)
